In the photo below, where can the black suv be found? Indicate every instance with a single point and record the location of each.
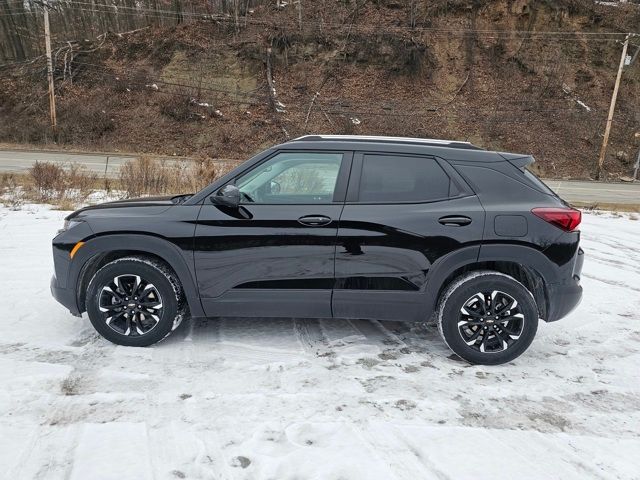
(336, 227)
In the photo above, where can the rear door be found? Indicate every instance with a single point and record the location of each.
(274, 256)
(402, 214)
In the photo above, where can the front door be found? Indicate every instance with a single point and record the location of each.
(402, 214)
(274, 256)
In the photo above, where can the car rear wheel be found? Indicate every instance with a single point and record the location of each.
(135, 301)
(487, 317)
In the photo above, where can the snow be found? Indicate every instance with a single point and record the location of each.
(616, 3)
(200, 104)
(583, 105)
(567, 90)
(280, 107)
(316, 399)
(133, 459)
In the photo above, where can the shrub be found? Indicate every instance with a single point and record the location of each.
(143, 176)
(176, 106)
(12, 192)
(148, 176)
(78, 184)
(86, 120)
(68, 186)
(204, 171)
(48, 180)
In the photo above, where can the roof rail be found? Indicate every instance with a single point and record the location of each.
(382, 139)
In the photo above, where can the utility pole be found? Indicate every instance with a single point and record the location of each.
(636, 166)
(612, 107)
(52, 95)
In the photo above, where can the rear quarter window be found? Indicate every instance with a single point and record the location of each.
(399, 178)
(536, 182)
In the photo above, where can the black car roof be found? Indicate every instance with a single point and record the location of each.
(448, 149)
(381, 139)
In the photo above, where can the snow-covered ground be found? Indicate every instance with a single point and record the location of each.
(306, 399)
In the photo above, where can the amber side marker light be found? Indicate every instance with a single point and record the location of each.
(75, 248)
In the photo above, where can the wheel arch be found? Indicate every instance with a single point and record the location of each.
(528, 266)
(99, 251)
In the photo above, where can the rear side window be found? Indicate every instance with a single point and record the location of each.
(398, 178)
(539, 184)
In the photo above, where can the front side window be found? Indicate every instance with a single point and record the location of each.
(397, 178)
(293, 178)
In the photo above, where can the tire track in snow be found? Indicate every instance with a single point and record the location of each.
(339, 332)
(401, 457)
(37, 353)
(194, 344)
(375, 333)
(310, 336)
(261, 340)
(613, 283)
(49, 453)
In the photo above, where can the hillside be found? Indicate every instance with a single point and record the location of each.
(469, 70)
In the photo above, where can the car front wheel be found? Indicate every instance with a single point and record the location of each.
(135, 301)
(487, 317)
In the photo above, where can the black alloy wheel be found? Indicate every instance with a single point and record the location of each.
(487, 317)
(130, 305)
(135, 301)
(490, 321)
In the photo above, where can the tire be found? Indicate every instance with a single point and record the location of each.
(471, 317)
(135, 301)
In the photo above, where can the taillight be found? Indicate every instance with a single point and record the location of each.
(565, 218)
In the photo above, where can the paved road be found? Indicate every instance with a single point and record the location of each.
(19, 161)
(597, 192)
(570, 190)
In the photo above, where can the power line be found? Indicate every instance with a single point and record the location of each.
(174, 84)
(495, 116)
(339, 106)
(530, 34)
(608, 37)
(15, 14)
(338, 109)
(22, 62)
(337, 101)
(342, 25)
(127, 75)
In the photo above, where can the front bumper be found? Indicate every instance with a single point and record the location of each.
(63, 282)
(65, 296)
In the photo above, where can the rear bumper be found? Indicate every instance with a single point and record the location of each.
(564, 297)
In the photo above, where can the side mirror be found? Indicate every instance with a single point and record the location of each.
(227, 196)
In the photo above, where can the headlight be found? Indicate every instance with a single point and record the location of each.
(70, 224)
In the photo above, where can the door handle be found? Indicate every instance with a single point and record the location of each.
(454, 220)
(314, 220)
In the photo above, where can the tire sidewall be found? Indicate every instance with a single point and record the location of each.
(151, 274)
(455, 298)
